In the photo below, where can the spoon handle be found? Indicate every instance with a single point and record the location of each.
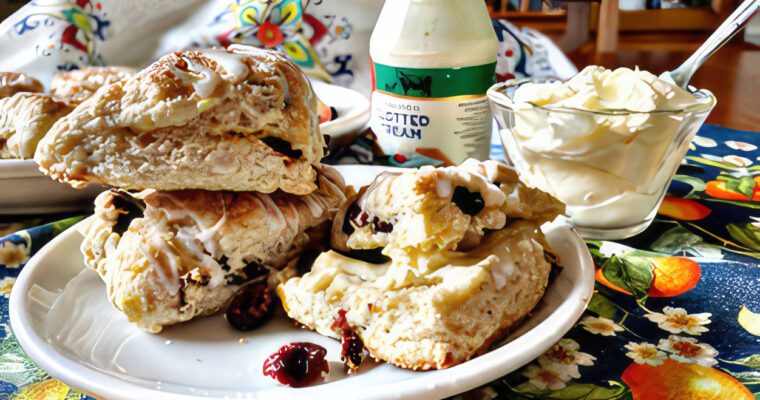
(733, 24)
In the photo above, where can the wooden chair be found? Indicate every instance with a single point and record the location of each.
(577, 32)
(577, 25)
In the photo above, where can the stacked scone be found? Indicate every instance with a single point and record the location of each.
(26, 114)
(430, 266)
(215, 155)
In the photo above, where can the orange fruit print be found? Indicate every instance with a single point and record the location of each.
(683, 209)
(674, 380)
(672, 276)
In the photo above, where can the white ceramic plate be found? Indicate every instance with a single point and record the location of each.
(353, 109)
(26, 190)
(61, 317)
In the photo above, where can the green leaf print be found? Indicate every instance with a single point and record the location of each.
(633, 273)
(747, 234)
(697, 185)
(602, 306)
(15, 367)
(744, 185)
(752, 361)
(60, 226)
(676, 240)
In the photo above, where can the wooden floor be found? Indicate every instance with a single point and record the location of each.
(732, 74)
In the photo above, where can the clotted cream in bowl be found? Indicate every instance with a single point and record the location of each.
(606, 142)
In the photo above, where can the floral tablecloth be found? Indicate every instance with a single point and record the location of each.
(675, 315)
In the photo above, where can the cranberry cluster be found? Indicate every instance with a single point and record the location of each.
(361, 218)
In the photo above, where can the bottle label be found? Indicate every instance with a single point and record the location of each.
(442, 113)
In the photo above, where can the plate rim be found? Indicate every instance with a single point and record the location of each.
(450, 381)
(354, 120)
(11, 168)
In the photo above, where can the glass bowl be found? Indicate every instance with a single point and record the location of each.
(611, 168)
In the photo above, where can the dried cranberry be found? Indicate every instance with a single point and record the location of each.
(297, 364)
(470, 203)
(251, 307)
(282, 146)
(352, 351)
(382, 226)
(352, 346)
(340, 323)
(358, 216)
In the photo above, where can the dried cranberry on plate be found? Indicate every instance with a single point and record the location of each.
(297, 364)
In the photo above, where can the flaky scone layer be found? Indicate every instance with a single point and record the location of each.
(240, 119)
(17, 82)
(167, 257)
(24, 119)
(74, 87)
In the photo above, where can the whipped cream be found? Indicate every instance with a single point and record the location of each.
(600, 89)
(605, 142)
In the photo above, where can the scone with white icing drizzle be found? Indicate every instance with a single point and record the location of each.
(431, 266)
(25, 118)
(169, 256)
(76, 86)
(241, 119)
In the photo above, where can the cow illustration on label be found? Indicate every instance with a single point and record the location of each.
(411, 83)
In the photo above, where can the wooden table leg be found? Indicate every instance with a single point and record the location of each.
(607, 32)
(576, 31)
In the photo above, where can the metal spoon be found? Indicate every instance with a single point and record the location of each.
(733, 24)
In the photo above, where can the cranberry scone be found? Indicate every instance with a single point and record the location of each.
(169, 256)
(432, 266)
(240, 119)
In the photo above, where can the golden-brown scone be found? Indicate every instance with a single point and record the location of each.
(167, 257)
(240, 119)
(74, 87)
(16, 82)
(24, 120)
(438, 319)
(436, 264)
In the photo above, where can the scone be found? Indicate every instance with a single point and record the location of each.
(16, 82)
(74, 87)
(442, 295)
(240, 119)
(24, 120)
(167, 257)
(438, 208)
